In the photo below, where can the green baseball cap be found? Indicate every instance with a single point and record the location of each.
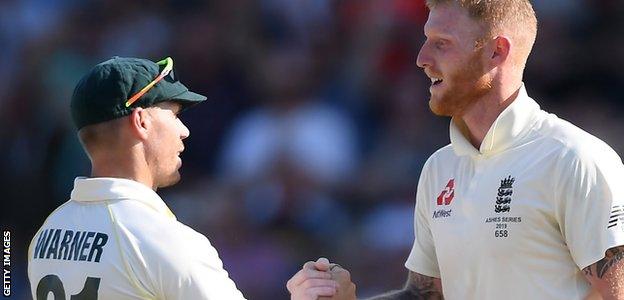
(112, 89)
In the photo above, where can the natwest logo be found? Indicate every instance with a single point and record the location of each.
(446, 196)
(442, 213)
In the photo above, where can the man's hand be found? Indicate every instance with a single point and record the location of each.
(346, 289)
(313, 281)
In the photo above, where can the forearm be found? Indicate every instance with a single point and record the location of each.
(418, 287)
(607, 275)
(394, 295)
(407, 295)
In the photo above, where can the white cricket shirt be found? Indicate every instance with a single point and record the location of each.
(117, 239)
(521, 216)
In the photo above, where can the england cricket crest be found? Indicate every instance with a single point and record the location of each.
(503, 198)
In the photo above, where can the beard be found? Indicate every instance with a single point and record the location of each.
(465, 86)
(165, 172)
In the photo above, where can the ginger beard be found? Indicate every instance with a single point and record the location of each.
(464, 87)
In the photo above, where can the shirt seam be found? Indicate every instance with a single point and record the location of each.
(133, 280)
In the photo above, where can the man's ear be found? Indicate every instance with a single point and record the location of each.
(140, 122)
(501, 46)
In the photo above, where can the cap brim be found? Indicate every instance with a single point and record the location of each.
(189, 97)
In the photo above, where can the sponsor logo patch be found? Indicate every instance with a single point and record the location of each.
(447, 195)
(444, 199)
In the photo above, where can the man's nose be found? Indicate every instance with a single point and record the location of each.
(423, 59)
(185, 131)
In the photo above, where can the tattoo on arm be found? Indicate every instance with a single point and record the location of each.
(600, 268)
(607, 275)
(612, 256)
(418, 286)
(423, 286)
(588, 271)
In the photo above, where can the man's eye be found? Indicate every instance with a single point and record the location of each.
(440, 44)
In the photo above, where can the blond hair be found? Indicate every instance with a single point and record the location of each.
(513, 17)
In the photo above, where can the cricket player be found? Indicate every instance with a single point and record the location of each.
(115, 238)
(521, 204)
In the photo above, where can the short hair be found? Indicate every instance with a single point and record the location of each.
(100, 136)
(515, 17)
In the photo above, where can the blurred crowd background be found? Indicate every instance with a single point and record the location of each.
(316, 128)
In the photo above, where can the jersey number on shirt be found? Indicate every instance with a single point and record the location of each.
(52, 283)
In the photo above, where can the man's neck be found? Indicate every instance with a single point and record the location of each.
(121, 169)
(478, 118)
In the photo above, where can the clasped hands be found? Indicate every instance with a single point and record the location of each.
(321, 280)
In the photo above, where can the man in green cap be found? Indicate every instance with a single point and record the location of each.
(115, 238)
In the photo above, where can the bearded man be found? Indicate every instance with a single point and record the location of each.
(521, 204)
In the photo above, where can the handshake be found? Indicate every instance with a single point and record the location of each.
(321, 280)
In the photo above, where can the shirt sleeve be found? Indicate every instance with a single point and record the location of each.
(590, 208)
(422, 258)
